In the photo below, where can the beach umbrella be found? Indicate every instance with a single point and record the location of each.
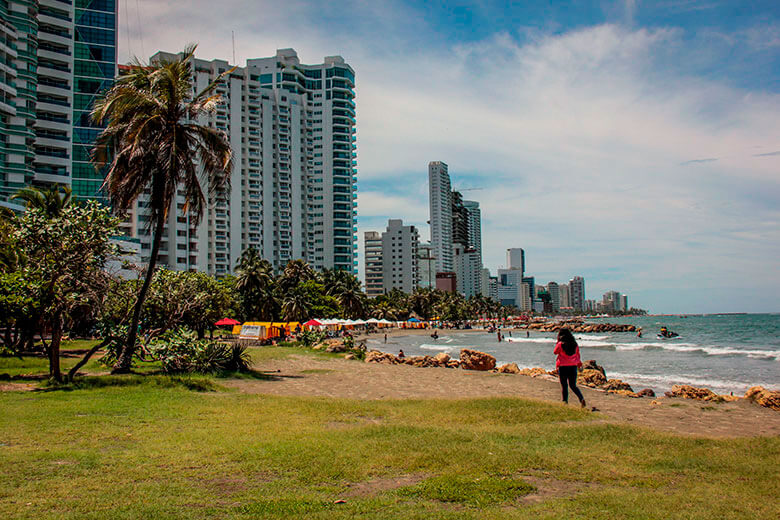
(227, 321)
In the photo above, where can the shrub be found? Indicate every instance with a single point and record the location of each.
(180, 351)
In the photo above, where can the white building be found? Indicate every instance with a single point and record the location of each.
(400, 257)
(292, 189)
(440, 199)
(484, 284)
(468, 271)
(515, 259)
(372, 254)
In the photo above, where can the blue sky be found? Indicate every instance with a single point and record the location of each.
(633, 143)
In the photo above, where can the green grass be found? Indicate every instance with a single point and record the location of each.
(177, 447)
(154, 446)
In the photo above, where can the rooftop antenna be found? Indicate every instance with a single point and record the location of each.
(233, 36)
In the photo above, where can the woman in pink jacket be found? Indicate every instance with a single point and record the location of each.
(568, 361)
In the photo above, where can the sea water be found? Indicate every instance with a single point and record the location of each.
(726, 353)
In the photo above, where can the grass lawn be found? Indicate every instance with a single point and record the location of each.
(161, 447)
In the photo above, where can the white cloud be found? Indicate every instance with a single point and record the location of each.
(580, 139)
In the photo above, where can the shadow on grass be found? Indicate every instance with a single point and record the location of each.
(261, 375)
(194, 383)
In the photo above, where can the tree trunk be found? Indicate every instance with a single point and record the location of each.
(54, 349)
(125, 360)
(72, 372)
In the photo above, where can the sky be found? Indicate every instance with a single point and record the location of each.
(633, 143)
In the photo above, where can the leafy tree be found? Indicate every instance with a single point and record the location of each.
(184, 298)
(65, 258)
(295, 271)
(345, 288)
(156, 143)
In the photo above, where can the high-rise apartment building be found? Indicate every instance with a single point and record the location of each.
(577, 293)
(400, 257)
(58, 55)
(554, 290)
(565, 296)
(426, 266)
(372, 254)
(293, 186)
(440, 200)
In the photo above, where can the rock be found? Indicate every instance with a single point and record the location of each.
(375, 356)
(509, 368)
(442, 359)
(764, 397)
(336, 347)
(592, 378)
(627, 393)
(617, 384)
(453, 363)
(349, 356)
(691, 392)
(476, 360)
(647, 392)
(592, 365)
(533, 372)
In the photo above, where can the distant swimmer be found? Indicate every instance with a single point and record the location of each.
(435, 335)
(527, 334)
(401, 354)
(639, 333)
(499, 335)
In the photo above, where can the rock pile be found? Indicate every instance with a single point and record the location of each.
(764, 397)
(533, 372)
(509, 368)
(580, 327)
(691, 392)
(476, 360)
(439, 360)
(374, 356)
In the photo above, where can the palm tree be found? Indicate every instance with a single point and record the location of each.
(296, 306)
(295, 272)
(153, 141)
(49, 200)
(254, 281)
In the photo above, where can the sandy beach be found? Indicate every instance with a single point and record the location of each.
(338, 378)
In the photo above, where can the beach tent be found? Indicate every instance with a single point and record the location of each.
(227, 321)
(413, 320)
(373, 321)
(313, 323)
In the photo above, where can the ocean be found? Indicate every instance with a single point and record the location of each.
(726, 353)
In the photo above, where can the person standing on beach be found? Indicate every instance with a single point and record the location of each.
(568, 361)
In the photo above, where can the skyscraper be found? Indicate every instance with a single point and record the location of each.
(426, 266)
(555, 296)
(577, 293)
(293, 185)
(58, 56)
(440, 200)
(372, 254)
(515, 258)
(400, 257)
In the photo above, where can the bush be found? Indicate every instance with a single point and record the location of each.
(311, 337)
(180, 351)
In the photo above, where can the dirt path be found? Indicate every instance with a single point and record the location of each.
(308, 376)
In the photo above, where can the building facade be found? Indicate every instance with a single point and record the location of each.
(577, 293)
(440, 200)
(426, 266)
(372, 255)
(292, 190)
(400, 257)
(555, 296)
(57, 56)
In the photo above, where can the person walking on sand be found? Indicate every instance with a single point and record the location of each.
(385, 337)
(567, 362)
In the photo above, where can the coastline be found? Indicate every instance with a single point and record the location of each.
(300, 375)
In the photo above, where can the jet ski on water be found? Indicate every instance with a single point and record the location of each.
(667, 334)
